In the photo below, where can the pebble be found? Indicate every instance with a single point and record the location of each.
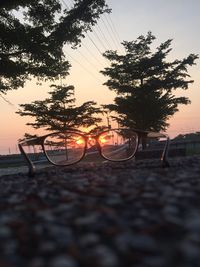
(105, 256)
(63, 261)
(89, 240)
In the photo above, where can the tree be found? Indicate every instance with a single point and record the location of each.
(59, 112)
(145, 83)
(33, 33)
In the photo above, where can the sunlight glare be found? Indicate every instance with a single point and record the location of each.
(80, 141)
(103, 139)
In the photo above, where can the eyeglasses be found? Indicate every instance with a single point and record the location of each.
(69, 147)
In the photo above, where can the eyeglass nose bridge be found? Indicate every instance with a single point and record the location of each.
(91, 140)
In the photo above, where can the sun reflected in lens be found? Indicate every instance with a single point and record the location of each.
(80, 141)
(104, 138)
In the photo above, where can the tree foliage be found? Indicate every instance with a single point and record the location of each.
(145, 83)
(59, 112)
(33, 33)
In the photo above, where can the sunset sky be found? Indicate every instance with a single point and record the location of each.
(166, 19)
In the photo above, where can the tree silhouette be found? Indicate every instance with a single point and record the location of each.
(59, 112)
(145, 83)
(33, 33)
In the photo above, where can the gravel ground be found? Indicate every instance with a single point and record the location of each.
(114, 215)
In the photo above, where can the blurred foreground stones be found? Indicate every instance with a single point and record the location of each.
(113, 215)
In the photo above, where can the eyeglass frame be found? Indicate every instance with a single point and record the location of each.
(140, 134)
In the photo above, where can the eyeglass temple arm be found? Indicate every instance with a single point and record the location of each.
(164, 157)
(31, 166)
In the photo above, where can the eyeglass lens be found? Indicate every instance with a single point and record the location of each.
(64, 148)
(118, 145)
